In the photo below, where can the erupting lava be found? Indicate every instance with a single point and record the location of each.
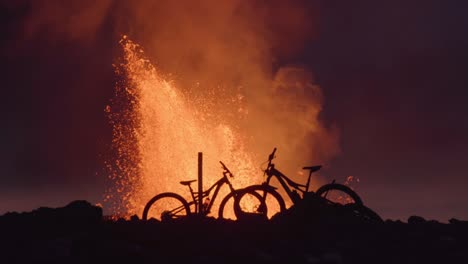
(159, 128)
(158, 137)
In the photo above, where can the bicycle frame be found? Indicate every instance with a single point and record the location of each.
(285, 182)
(216, 186)
(292, 188)
(185, 207)
(176, 210)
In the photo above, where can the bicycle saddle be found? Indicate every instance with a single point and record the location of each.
(313, 168)
(187, 182)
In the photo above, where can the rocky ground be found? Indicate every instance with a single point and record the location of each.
(78, 233)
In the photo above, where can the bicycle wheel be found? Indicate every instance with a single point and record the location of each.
(269, 204)
(364, 213)
(339, 194)
(166, 207)
(226, 207)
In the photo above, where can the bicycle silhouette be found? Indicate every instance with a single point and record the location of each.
(332, 193)
(170, 206)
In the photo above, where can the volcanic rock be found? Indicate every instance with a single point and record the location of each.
(77, 233)
(414, 219)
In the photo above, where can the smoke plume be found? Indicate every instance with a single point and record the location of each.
(233, 49)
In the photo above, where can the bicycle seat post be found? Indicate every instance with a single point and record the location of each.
(308, 180)
(192, 193)
(311, 169)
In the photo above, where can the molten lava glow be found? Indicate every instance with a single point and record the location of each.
(160, 124)
(159, 133)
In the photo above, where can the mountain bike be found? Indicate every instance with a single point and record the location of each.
(332, 193)
(170, 206)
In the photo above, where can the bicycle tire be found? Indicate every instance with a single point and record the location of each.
(365, 214)
(259, 189)
(222, 205)
(184, 209)
(339, 187)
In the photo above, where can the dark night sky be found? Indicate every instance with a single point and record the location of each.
(394, 76)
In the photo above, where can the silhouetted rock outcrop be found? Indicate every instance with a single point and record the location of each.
(457, 222)
(317, 211)
(74, 216)
(414, 219)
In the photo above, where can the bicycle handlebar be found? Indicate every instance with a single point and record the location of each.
(271, 157)
(226, 169)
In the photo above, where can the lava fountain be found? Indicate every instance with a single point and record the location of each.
(159, 135)
(159, 128)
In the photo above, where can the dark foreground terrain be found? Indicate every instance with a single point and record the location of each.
(77, 233)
